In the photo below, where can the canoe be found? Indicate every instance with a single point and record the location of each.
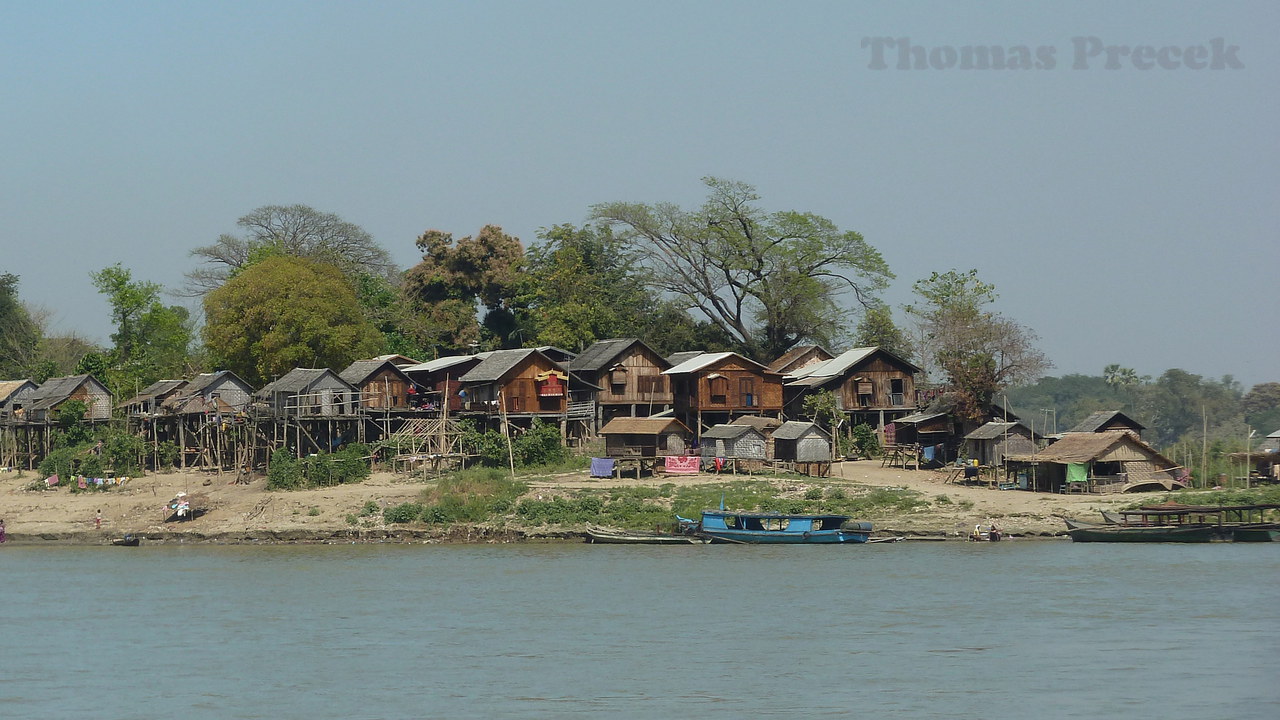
(614, 536)
(127, 541)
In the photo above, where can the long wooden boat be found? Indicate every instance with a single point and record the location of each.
(1073, 524)
(1256, 533)
(1145, 533)
(1111, 518)
(729, 526)
(615, 536)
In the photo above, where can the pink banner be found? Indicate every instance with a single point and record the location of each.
(683, 464)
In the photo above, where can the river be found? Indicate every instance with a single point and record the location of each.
(1019, 629)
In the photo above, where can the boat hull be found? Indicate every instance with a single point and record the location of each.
(1144, 534)
(610, 536)
(821, 537)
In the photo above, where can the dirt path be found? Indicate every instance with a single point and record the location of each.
(243, 513)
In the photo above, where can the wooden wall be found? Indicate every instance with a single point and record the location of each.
(642, 381)
(385, 390)
(880, 373)
(699, 391)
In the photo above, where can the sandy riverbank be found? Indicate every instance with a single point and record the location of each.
(242, 513)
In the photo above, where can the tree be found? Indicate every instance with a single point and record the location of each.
(286, 312)
(19, 332)
(767, 280)
(580, 285)
(445, 287)
(294, 230)
(1261, 406)
(876, 329)
(151, 339)
(978, 350)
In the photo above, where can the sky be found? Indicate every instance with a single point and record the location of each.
(1128, 214)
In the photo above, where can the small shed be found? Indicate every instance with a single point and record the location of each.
(626, 437)
(216, 392)
(738, 442)
(990, 443)
(800, 441)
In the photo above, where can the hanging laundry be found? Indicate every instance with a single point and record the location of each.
(602, 467)
(682, 464)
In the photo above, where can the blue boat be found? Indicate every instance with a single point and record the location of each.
(728, 526)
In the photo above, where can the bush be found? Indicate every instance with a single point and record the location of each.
(285, 472)
(60, 462)
(403, 513)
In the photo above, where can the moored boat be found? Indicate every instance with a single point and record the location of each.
(1144, 533)
(728, 526)
(615, 536)
(127, 541)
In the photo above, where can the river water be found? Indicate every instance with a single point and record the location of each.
(1020, 629)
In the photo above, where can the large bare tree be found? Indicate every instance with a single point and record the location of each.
(293, 230)
(767, 279)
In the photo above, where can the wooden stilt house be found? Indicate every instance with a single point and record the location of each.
(629, 375)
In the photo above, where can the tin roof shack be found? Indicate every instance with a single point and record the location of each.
(871, 384)
(1105, 420)
(529, 384)
(15, 396)
(717, 387)
(804, 446)
(382, 384)
(990, 443)
(55, 392)
(1108, 461)
(309, 392)
(435, 382)
(733, 442)
(627, 437)
(766, 426)
(148, 402)
(800, 356)
(629, 375)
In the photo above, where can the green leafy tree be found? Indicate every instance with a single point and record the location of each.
(286, 312)
(766, 279)
(293, 230)
(151, 340)
(1261, 407)
(580, 285)
(19, 332)
(876, 329)
(453, 278)
(978, 350)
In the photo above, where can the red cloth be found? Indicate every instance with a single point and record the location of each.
(683, 464)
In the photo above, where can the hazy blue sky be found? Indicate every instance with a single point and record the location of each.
(1127, 215)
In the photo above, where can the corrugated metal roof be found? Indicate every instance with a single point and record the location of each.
(704, 359)
(843, 363)
(642, 426)
(796, 429)
(677, 358)
(445, 362)
(916, 418)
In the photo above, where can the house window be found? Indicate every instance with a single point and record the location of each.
(897, 392)
(618, 380)
(865, 392)
(719, 385)
(747, 391)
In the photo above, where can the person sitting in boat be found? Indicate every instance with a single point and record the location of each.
(994, 534)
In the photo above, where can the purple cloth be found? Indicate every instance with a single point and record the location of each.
(602, 467)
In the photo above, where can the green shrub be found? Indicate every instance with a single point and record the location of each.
(403, 513)
(285, 472)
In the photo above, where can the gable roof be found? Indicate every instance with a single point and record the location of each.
(1083, 447)
(728, 432)
(1099, 420)
(759, 422)
(993, 430)
(602, 353)
(397, 359)
(703, 360)
(499, 363)
(155, 390)
(9, 387)
(679, 357)
(359, 371)
(784, 361)
(204, 380)
(55, 390)
(448, 361)
(841, 364)
(296, 380)
(643, 426)
(796, 429)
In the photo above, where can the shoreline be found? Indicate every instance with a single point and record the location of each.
(249, 514)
